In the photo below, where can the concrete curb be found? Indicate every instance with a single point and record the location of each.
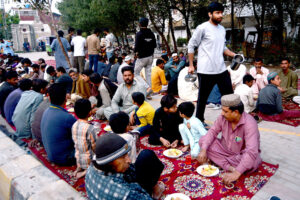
(23, 177)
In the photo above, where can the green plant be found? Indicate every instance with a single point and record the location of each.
(181, 41)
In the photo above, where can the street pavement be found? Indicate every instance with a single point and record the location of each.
(280, 144)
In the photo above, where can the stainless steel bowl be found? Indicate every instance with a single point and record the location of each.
(190, 77)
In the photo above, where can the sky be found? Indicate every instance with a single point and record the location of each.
(54, 9)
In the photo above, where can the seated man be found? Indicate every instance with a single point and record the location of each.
(106, 88)
(64, 78)
(122, 100)
(289, 80)
(158, 78)
(56, 128)
(50, 70)
(126, 63)
(37, 72)
(101, 65)
(246, 93)
(111, 164)
(119, 123)
(14, 97)
(114, 70)
(259, 73)
(9, 85)
(173, 67)
(24, 112)
(238, 149)
(166, 123)
(80, 86)
(270, 102)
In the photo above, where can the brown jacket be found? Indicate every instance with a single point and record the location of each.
(93, 44)
(81, 88)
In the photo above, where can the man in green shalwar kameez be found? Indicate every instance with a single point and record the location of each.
(289, 80)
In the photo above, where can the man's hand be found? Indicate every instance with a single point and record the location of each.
(230, 177)
(202, 157)
(191, 69)
(282, 90)
(131, 119)
(174, 66)
(174, 144)
(165, 142)
(188, 125)
(33, 143)
(93, 111)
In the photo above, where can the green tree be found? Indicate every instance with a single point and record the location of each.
(6, 27)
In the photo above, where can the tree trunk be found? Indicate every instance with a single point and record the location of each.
(232, 26)
(172, 30)
(280, 24)
(260, 28)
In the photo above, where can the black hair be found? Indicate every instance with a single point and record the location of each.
(35, 66)
(43, 65)
(215, 6)
(128, 68)
(112, 60)
(120, 60)
(97, 30)
(168, 101)
(42, 60)
(79, 32)
(186, 108)
(61, 69)
(26, 61)
(144, 22)
(285, 58)
(181, 52)
(57, 93)
(50, 70)
(11, 74)
(38, 84)
(87, 72)
(272, 79)
(159, 61)
(247, 78)
(138, 98)
(258, 59)
(106, 29)
(82, 108)
(95, 78)
(71, 30)
(100, 58)
(124, 54)
(25, 84)
(239, 107)
(73, 70)
(106, 169)
(118, 122)
(60, 33)
(165, 57)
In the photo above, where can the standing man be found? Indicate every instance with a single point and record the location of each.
(60, 58)
(71, 50)
(79, 57)
(145, 44)
(289, 80)
(93, 46)
(209, 38)
(109, 43)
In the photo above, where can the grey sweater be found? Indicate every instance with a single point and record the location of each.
(269, 100)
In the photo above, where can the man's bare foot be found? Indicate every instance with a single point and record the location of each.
(80, 174)
(158, 190)
(185, 148)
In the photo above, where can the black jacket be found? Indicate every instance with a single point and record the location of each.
(145, 43)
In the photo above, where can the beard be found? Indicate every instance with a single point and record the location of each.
(128, 81)
(216, 20)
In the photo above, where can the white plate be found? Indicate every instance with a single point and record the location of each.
(179, 195)
(166, 153)
(71, 110)
(199, 170)
(107, 128)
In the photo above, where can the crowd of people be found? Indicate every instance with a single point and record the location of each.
(33, 99)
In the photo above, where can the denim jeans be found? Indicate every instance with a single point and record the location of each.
(109, 55)
(93, 59)
(144, 130)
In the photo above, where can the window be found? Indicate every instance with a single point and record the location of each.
(42, 30)
(24, 29)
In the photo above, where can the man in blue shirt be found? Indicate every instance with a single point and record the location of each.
(56, 128)
(24, 112)
(64, 78)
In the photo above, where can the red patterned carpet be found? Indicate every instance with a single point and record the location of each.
(183, 178)
(179, 177)
(49, 62)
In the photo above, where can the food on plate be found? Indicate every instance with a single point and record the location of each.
(90, 118)
(71, 110)
(208, 170)
(107, 128)
(174, 152)
(176, 198)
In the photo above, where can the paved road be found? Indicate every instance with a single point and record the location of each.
(280, 144)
